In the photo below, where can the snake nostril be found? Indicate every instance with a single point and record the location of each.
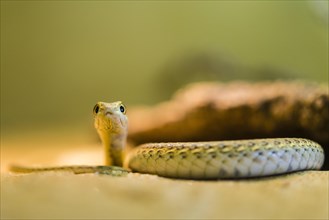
(109, 113)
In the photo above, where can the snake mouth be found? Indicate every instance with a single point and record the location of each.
(122, 123)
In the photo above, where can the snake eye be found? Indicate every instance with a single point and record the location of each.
(96, 109)
(122, 109)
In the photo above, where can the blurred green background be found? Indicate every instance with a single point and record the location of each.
(58, 58)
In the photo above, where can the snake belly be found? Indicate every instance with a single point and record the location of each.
(226, 159)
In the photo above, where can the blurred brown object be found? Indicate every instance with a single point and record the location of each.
(236, 110)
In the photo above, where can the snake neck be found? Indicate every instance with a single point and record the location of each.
(114, 145)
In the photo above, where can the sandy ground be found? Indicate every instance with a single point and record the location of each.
(60, 195)
(53, 195)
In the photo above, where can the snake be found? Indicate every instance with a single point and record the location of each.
(209, 160)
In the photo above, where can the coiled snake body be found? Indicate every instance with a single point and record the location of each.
(193, 160)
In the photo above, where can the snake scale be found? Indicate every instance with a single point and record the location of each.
(193, 160)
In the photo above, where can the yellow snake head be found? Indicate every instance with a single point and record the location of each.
(110, 117)
(111, 124)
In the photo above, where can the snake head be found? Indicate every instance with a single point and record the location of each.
(110, 117)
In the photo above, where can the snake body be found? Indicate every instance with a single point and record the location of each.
(227, 159)
(194, 160)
